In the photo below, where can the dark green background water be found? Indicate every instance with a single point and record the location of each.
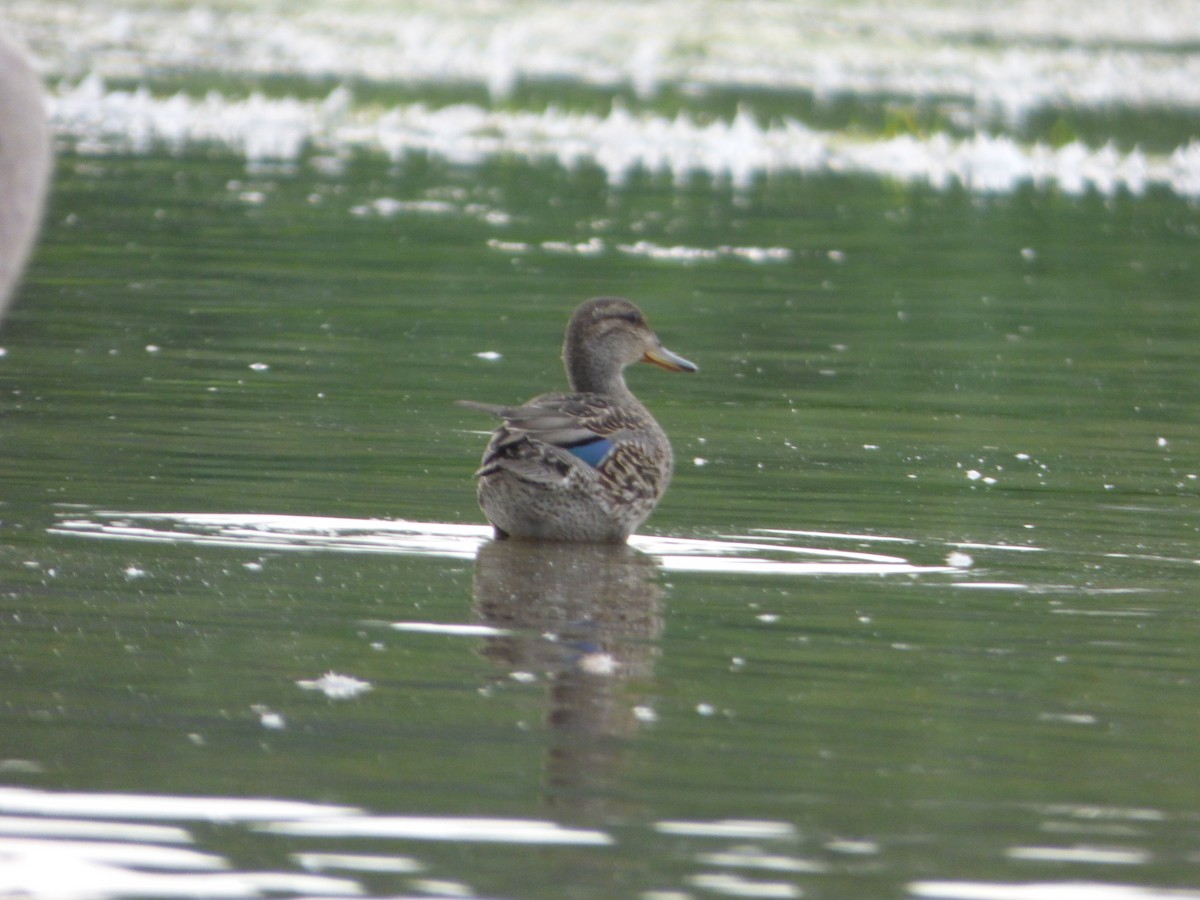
(304, 358)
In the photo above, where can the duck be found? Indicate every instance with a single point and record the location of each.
(589, 464)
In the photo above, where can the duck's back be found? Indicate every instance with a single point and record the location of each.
(573, 466)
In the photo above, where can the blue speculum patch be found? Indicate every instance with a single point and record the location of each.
(593, 452)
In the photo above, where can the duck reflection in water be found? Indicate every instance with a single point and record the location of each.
(586, 618)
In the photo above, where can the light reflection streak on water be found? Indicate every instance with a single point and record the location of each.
(731, 554)
(98, 853)
(741, 829)
(160, 808)
(80, 845)
(438, 828)
(27, 826)
(355, 862)
(1048, 890)
(444, 628)
(53, 872)
(146, 856)
(784, 533)
(110, 857)
(1105, 856)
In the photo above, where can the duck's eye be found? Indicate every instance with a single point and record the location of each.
(633, 316)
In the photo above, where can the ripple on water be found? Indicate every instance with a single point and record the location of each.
(76, 844)
(1050, 890)
(729, 554)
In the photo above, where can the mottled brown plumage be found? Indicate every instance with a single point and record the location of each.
(589, 465)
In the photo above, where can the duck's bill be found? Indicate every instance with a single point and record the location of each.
(661, 356)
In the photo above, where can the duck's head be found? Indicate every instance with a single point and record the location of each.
(604, 336)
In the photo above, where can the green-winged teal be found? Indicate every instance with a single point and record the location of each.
(589, 465)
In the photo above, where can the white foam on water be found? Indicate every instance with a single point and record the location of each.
(986, 70)
(1008, 56)
(679, 253)
(101, 120)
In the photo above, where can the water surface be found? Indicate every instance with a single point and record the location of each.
(915, 619)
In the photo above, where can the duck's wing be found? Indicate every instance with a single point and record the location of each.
(585, 426)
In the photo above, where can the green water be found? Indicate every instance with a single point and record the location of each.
(1009, 378)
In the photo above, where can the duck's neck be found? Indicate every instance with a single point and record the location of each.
(587, 374)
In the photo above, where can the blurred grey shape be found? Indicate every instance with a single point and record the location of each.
(24, 163)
